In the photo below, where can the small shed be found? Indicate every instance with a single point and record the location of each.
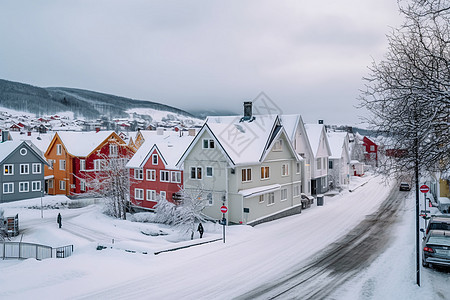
(356, 168)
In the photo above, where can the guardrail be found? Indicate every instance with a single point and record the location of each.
(21, 250)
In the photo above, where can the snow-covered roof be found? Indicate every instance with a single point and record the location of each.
(244, 142)
(336, 140)
(82, 143)
(290, 123)
(6, 148)
(170, 146)
(40, 140)
(314, 132)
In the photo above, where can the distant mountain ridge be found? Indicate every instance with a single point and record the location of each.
(85, 103)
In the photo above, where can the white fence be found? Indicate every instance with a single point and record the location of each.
(21, 250)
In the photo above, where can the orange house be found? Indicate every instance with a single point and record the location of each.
(72, 155)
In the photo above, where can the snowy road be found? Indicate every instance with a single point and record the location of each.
(340, 261)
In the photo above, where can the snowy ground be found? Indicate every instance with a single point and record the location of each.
(250, 256)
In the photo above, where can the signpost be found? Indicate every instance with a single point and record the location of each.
(425, 189)
(224, 210)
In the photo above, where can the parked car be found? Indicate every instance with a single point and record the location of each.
(436, 249)
(404, 186)
(439, 223)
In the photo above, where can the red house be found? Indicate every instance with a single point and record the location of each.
(153, 171)
(370, 151)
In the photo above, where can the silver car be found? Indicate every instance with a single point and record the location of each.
(436, 248)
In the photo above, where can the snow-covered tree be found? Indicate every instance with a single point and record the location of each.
(112, 183)
(408, 92)
(186, 213)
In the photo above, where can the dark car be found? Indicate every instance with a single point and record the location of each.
(436, 249)
(440, 222)
(404, 186)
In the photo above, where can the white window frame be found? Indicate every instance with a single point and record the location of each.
(266, 172)
(62, 164)
(23, 151)
(298, 168)
(82, 165)
(151, 195)
(283, 194)
(164, 176)
(82, 185)
(270, 198)
(8, 187)
(196, 170)
(139, 174)
(62, 185)
(58, 149)
(50, 183)
(113, 150)
(175, 176)
(24, 187)
(138, 194)
(297, 190)
(155, 159)
(212, 171)
(319, 163)
(285, 170)
(209, 199)
(163, 195)
(278, 145)
(208, 144)
(261, 199)
(24, 169)
(150, 174)
(36, 186)
(9, 167)
(245, 175)
(37, 168)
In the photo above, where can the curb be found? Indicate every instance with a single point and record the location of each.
(187, 246)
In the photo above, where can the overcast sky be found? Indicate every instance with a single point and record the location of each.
(307, 56)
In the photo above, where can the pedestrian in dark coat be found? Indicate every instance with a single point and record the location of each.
(59, 220)
(200, 229)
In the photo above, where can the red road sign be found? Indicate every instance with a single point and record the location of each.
(224, 209)
(424, 188)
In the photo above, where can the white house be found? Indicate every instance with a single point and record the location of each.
(339, 161)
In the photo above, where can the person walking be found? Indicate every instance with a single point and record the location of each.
(200, 229)
(59, 220)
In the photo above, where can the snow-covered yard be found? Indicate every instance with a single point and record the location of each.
(250, 256)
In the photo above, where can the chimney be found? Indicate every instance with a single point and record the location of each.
(247, 111)
(192, 132)
(320, 121)
(29, 133)
(159, 131)
(97, 129)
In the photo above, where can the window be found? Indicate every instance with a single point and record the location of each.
(330, 164)
(176, 176)
(154, 159)
(50, 184)
(324, 163)
(284, 170)
(264, 172)
(246, 175)
(151, 175)
(139, 194)
(24, 187)
(23, 151)
(62, 185)
(270, 198)
(99, 164)
(164, 176)
(319, 163)
(113, 150)
(82, 165)
(162, 194)
(62, 164)
(296, 190)
(209, 171)
(58, 149)
(24, 169)
(209, 199)
(283, 194)
(278, 146)
(37, 168)
(151, 195)
(51, 162)
(372, 148)
(196, 173)
(298, 168)
(35, 186)
(138, 174)
(208, 144)
(82, 185)
(8, 170)
(261, 198)
(8, 188)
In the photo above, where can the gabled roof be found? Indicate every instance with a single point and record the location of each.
(169, 147)
(315, 132)
(336, 140)
(242, 143)
(81, 144)
(8, 147)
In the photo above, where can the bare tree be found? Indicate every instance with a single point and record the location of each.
(407, 93)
